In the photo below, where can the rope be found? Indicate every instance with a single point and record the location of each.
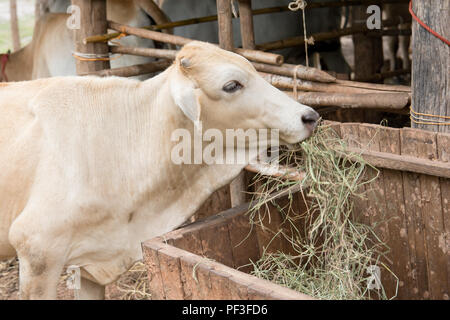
(416, 117)
(425, 26)
(93, 56)
(301, 5)
(100, 57)
(3, 61)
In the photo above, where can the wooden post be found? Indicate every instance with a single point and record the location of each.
(41, 8)
(431, 64)
(14, 25)
(92, 21)
(246, 23)
(368, 50)
(225, 24)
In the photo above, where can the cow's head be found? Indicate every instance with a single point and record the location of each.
(224, 91)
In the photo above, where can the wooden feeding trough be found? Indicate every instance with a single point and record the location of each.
(199, 261)
(410, 198)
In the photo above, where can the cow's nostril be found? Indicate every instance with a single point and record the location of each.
(310, 119)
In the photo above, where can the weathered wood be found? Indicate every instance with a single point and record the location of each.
(219, 201)
(322, 36)
(15, 34)
(216, 244)
(397, 239)
(368, 50)
(238, 187)
(92, 21)
(430, 64)
(150, 252)
(169, 262)
(253, 55)
(443, 146)
(225, 25)
(131, 71)
(246, 24)
(244, 243)
(305, 73)
(381, 100)
(145, 52)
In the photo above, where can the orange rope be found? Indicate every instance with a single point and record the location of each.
(415, 116)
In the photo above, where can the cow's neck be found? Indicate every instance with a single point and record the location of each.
(175, 190)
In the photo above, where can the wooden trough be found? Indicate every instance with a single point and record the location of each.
(410, 199)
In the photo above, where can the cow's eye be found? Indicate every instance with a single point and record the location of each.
(232, 86)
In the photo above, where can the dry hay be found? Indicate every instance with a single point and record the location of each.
(331, 250)
(132, 285)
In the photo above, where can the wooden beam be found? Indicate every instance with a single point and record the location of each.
(224, 19)
(404, 162)
(246, 24)
(93, 21)
(131, 71)
(431, 65)
(14, 25)
(368, 50)
(253, 55)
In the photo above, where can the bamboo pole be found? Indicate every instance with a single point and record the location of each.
(380, 100)
(254, 55)
(282, 82)
(181, 23)
(305, 73)
(225, 25)
(374, 86)
(15, 35)
(321, 36)
(246, 24)
(131, 71)
(145, 52)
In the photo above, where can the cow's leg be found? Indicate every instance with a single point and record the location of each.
(41, 247)
(39, 274)
(91, 291)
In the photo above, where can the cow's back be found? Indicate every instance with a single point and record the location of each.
(20, 138)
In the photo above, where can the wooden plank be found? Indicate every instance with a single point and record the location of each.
(268, 241)
(370, 139)
(397, 239)
(246, 24)
(92, 21)
(412, 143)
(409, 163)
(244, 243)
(430, 61)
(225, 24)
(151, 260)
(350, 134)
(219, 285)
(443, 146)
(190, 242)
(219, 201)
(216, 244)
(169, 263)
(195, 277)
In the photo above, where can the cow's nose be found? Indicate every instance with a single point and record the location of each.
(310, 119)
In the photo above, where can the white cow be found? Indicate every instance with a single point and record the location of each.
(85, 163)
(50, 52)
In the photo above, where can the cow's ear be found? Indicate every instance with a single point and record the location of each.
(183, 91)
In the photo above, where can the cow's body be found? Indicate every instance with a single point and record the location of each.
(85, 163)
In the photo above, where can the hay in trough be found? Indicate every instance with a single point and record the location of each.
(331, 250)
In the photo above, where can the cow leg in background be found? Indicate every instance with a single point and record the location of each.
(39, 274)
(91, 291)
